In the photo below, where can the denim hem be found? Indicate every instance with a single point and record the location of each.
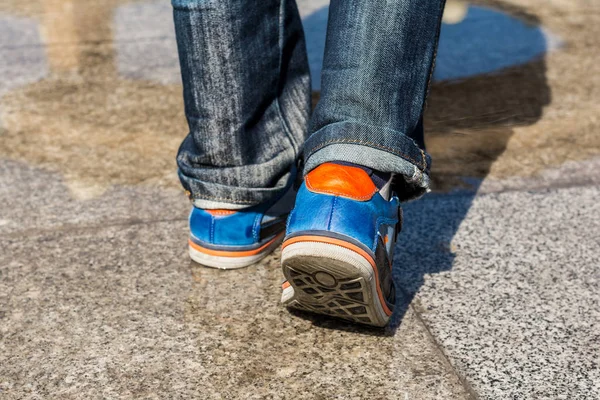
(208, 195)
(387, 140)
(410, 182)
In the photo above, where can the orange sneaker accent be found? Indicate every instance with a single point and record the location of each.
(220, 212)
(349, 246)
(341, 180)
(286, 285)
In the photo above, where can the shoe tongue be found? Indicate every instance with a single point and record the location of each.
(382, 180)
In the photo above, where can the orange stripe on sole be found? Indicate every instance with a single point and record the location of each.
(349, 246)
(220, 212)
(224, 253)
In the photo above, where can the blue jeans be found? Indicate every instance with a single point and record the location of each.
(247, 93)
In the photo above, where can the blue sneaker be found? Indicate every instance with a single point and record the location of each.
(230, 239)
(338, 250)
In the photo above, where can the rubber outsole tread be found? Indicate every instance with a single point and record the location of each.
(350, 293)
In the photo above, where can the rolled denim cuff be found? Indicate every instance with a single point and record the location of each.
(208, 195)
(391, 152)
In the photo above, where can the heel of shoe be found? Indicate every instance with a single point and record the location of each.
(231, 259)
(333, 277)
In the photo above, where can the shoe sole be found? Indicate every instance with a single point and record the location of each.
(222, 259)
(333, 277)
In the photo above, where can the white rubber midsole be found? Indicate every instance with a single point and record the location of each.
(223, 262)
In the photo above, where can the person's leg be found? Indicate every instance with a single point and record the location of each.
(246, 89)
(365, 155)
(378, 63)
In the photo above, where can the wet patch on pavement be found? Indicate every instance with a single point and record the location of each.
(97, 106)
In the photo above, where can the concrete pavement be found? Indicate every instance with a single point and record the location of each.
(498, 267)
